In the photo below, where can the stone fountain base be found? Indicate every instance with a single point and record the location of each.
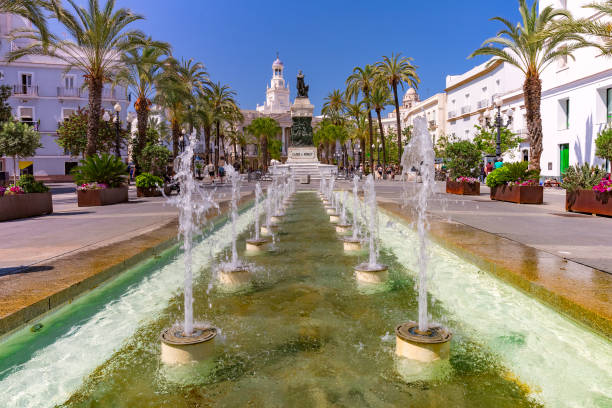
(277, 218)
(330, 210)
(351, 244)
(256, 245)
(268, 231)
(325, 202)
(343, 228)
(334, 218)
(233, 277)
(423, 347)
(371, 274)
(178, 349)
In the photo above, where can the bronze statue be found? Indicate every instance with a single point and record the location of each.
(301, 86)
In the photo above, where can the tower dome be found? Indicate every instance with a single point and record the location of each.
(410, 98)
(278, 67)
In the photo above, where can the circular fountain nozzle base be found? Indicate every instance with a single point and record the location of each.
(277, 218)
(352, 245)
(177, 348)
(234, 277)
(343, 228)
(426, 347)
(334, 218)
(326, 201)
(256, 245)
(371, 273)
(330, 210)
(268, 231)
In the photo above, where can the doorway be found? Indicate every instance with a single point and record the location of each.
(563, 158)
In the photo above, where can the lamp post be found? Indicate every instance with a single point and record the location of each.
(499, 122)
(117, 109)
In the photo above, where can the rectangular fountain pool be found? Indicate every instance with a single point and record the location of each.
(304, 333)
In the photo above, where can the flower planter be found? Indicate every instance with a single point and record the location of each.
(106, 196)
(589, 201)
(148, 192)
(518, 194)
(462, 188)
(25, 205)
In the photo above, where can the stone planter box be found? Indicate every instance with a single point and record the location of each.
(107, 196)
(148, 192)
(454, 187)
(518, 194)
(25, 205)
(589, 201)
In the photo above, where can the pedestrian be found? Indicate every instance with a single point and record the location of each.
(499, 163)
(222, 170)
(489, 167)
(210, 168)
(483, 173)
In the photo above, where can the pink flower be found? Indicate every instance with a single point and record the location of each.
(469, 180)
(605, 185)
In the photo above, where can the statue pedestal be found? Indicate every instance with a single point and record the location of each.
(302, 108)
(302, 155)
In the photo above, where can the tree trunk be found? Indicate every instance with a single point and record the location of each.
(399, 125)
(142, 113)
(533, 97)
(363, 153)
(15, 170)
(382, 140)
(371, 129)
(176, 131)
(218, 128)
(207, 130)
(235, 152)
(264, 153)
(93, 120)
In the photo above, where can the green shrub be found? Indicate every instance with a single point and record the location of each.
(583, 177)
(511, 173)
(154, 159)
(105, 169)
(29, 185)
(463, 159)
(603, 143)
(148, 180)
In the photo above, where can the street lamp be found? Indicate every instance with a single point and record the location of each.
(499, 122)
(117, 109)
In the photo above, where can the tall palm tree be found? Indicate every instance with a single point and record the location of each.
(333, 106)
(143, 66)
(397, 70)
(600, 29)
(361, 81)
(264, 129)
(532, 45)
(33, 10)
(357, 114)
(380, 98)
(206, 120)
(99, 36)
(223, 107)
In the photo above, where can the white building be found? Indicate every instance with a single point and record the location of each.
(44, 94)
(576, 102)
(277, 94)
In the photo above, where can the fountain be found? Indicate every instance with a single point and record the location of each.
(353, 243)
(181, 344)
(371, 271)
(257, 244)
(268, 228)
(329, 207)
(278, 214)
(421, 341)
(343, 226)
(234, 272)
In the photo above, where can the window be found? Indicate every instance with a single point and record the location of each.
(26, 83)
(69, 81)
(1, 75)
(526, 155)
(67, 112)
(567, 113)
(564, 114)
(609, 104)
(26, 114)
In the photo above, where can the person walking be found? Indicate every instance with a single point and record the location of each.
(483, 173)
(222, 170)
(210, 168)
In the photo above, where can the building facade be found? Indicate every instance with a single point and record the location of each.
(44, 94)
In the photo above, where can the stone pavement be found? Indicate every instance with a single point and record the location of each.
(70, 228)
(582, 238)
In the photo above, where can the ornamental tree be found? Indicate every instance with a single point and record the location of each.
(5, 108)
(603, 143)
(486, 139)
(18, 140)
(463, 159)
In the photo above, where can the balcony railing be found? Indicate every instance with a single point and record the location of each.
(466, 109)
(69, 92)
(25, 90)
(483, 104)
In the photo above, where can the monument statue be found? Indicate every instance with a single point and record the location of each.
(301, 86)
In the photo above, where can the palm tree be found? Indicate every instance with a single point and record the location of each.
(381, 97)
(397, 70)
(143, 67)
(99, 37)
(599, 28)
(362, 81)
(264, 129)
(333, 106)
(531, 46)
(223, 108)
(32, 10)
(357, 114)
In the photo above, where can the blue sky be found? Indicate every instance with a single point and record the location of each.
(237, 40)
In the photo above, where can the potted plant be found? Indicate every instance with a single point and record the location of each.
(516, 184)
(463, 158)
(588, 189)
(28, 198)
(148, 185)
(100, 180)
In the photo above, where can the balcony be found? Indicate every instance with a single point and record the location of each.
(25, 90)
(466, 109)
(69, 92)
(483, 104)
